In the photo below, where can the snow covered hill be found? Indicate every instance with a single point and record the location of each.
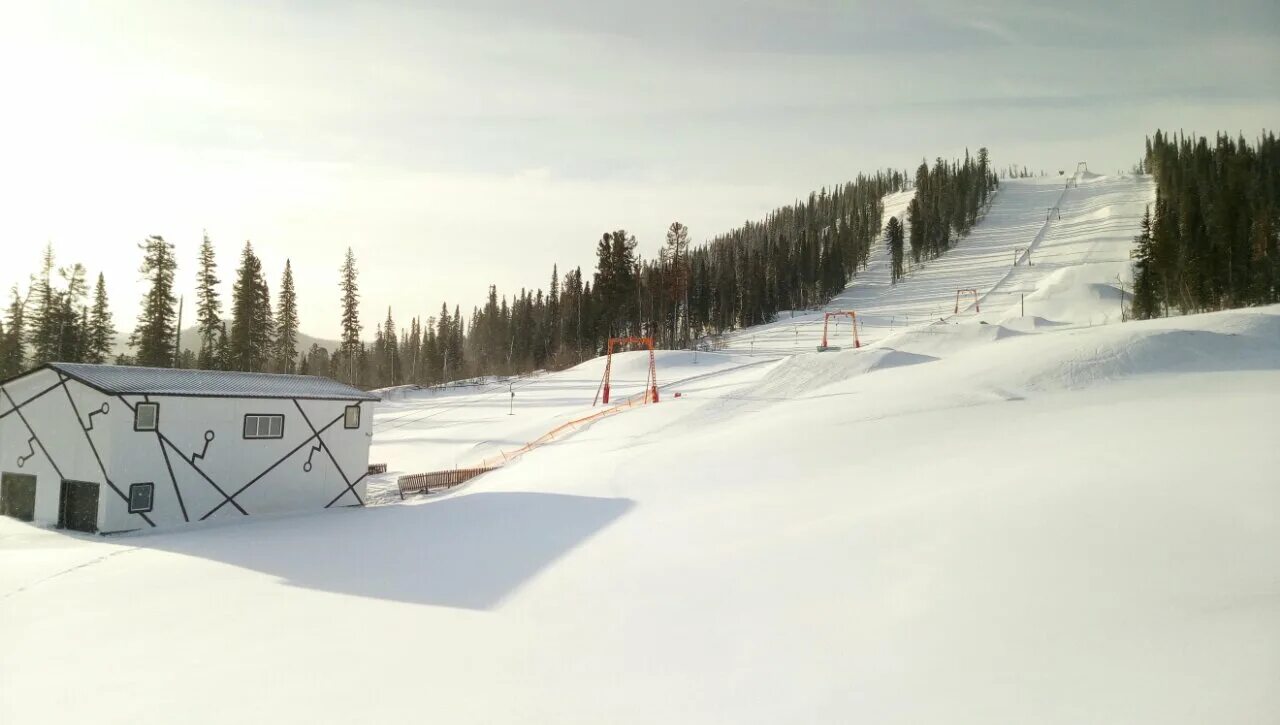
(1078, 249)
(995, 518)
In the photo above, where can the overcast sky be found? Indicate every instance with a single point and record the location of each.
(453, 145)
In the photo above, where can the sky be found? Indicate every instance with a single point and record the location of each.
(453, 145)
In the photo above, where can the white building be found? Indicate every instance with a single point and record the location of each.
(110, 449)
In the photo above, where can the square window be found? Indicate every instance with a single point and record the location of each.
(146, 416)
(141, 497)
(352, 418)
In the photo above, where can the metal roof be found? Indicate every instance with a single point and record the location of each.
(125, 380)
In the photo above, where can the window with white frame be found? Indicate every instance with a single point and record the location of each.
(146, 416)
(352, 417)
(258, 426)
(141, 497)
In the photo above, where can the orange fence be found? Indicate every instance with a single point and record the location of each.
(436, 480)
(564, 429)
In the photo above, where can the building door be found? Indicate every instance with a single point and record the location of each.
(78, 509)
(18, 496)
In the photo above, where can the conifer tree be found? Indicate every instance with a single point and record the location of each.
(222, 358)
(351, 347)
(70, 317)
(675, 254)
(252, 328)
(42, 317)
(391, 353)
(1146, 301)
(893, 235)
(101, 328)
(153, 338)
(915, 220)
(208, 306)
(12, 343)
(286, 343)
(444, 343)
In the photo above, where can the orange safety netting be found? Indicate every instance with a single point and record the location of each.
(564, 429)
(559, 431)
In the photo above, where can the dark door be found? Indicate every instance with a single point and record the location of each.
(18, 496)
(79, 509)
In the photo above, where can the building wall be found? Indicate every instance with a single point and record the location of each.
(201, 465)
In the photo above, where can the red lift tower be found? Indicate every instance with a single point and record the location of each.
(970, 291)
(826, 319)
(650, 387)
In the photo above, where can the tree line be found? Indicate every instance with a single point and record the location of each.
(797, 257)
(57, 319)
(1211, 241)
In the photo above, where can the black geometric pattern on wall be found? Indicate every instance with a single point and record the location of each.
(208, 438)
(31, 452)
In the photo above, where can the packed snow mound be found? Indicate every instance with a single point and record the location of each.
(1031, 323)
(1246, 340)
(1073, 359)
(803, 375)
(980, 366)
(1073, 281)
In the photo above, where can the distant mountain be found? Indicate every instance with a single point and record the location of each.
(191, 341)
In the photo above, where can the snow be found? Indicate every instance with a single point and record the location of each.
(1053, 518)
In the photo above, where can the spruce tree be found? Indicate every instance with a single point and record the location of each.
(893, 235)
(350, 344)
(444, 342)
(208, 306)
(70, 316)
(390, 352)
(153, 338)
(915, 220)
(1146, 297)
(102, 330)
(286, 323)
(42, 318)
(13, 351)
(252, 328)
(222, 357)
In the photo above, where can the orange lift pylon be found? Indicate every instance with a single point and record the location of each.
(853, 320)
(970, 291)
(650, 387)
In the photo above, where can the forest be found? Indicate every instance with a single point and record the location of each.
(1210, 242)
(797, 257)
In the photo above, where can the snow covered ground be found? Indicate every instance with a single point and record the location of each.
(1039, 519)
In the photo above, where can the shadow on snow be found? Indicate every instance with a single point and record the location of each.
(468, 551)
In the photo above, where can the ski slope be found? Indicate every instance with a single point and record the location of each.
(1053, 518)
(1086, 243)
